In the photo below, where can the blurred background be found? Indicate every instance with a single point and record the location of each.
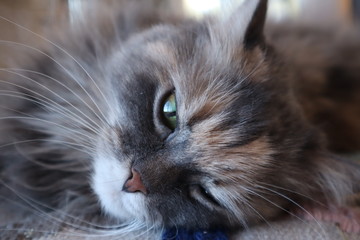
(43, 16)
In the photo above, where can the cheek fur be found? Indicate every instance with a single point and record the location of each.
(238, 172)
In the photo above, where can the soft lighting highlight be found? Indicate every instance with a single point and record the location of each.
(198, 8)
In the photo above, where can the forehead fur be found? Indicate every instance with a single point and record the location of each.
(211, 83)
(206, 77)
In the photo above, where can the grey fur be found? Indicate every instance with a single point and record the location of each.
(243, 139)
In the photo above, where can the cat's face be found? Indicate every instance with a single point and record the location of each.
(211, 164)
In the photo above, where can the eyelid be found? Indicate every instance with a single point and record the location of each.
(201, 193)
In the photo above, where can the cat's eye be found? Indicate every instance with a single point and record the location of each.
(169, 111)
(204, 196)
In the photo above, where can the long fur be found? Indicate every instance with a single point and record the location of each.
(248, 144)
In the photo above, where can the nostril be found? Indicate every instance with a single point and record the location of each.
(134, 183)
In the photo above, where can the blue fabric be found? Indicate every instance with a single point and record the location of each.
(180, 234)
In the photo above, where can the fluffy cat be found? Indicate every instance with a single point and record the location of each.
(189, 124)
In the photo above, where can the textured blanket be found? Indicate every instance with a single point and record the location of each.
(15, 227)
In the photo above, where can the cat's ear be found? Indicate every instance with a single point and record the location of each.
(246, 24)
(256, 21)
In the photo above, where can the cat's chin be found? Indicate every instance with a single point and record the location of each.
(108, 180)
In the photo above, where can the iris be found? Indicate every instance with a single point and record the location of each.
(169, 111)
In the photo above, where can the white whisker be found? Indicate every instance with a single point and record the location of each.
(69, 144)
(283, 209)
(64, 51)
(33, 205)
(296, 204)
(258, 213)
(45, 121)
(43, 86)
(88, 137)
(295, 192)
(103, 118)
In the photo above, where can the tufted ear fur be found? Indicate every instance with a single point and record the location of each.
(245, 25)
(255, 27)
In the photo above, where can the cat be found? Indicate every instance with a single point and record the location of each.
(208, 124)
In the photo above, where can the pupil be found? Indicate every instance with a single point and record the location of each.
(170, 114)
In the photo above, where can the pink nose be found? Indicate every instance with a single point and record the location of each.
(134, 183)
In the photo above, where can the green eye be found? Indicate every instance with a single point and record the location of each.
(169, 110)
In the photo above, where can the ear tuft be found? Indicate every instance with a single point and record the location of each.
(254, 31)
(244, 25)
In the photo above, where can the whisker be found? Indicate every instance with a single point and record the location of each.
(32, 204)
(88, 138)
(64, 51)
(96, 230)
(103, 118)
(70, 166)
(283, 209)
(258, 213)
(290, 200)
(112, 181)
(41, 101)
(69, 144)
(44, 121)
(43, 86)
(295, 192)
(267, 190)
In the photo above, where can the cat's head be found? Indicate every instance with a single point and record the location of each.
(204, 125)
